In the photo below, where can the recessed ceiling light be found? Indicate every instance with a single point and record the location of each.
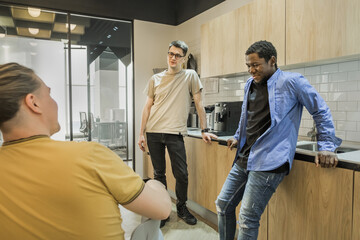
(34, 12)
(33, 53)
(33, 44)
(108, 36)
(33, 31)
(72, 26)
(5, 46)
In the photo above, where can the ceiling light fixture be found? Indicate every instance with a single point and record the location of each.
(34, 12)
(33, 44)
(5, 46)
(72, 26)
(33, 31)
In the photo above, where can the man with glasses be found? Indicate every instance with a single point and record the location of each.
(164, 120)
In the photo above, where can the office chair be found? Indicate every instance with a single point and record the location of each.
(83, 124)
(148, 230)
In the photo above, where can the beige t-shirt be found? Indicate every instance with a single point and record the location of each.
(172, 94)
(63, 190)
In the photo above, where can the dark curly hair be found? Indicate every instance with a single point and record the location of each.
(264, 49)
(16, 82)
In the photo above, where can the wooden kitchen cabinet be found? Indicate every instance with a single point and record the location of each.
(224, 40)
(262, 20)
(321, 29)
(219, 46)
(356, 210)
(313, 204)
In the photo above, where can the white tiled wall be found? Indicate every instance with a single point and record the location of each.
(338, 83)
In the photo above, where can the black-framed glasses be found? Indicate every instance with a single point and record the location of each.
(177, 56)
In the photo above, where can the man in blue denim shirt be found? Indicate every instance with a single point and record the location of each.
(266, 139)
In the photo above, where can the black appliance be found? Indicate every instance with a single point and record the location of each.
(227, 117)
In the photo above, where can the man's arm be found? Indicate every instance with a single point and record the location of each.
(144, 119)
(201, 113)
(153, 202)
(327, 141)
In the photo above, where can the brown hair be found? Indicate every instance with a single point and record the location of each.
(16, 81)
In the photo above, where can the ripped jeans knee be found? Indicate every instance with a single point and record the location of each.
(220, 206)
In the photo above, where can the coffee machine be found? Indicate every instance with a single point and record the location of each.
(219, 120)
(227, 116)
(192, 121)
(210, 113)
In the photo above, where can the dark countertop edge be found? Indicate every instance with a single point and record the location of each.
(341, 164)
(300, 156)
(220, 141)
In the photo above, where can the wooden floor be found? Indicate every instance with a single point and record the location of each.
(175, 229)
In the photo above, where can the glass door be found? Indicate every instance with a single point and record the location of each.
(88, 64)
(101, 83)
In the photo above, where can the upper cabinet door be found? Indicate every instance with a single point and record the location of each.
(219, 46)
(262, 20)
(224, 40)
(321, 29)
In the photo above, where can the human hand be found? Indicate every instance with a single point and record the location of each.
(231, 143)
(142, 143)
(326, 159)
(206, 136)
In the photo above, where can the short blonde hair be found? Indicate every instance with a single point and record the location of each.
(16, 81)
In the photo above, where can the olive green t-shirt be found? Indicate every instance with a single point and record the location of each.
(63, 190)
(172, 94)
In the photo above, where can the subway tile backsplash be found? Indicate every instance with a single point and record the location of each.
(338, 83)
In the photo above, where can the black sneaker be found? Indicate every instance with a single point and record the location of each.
(185, 215)
(162, 223)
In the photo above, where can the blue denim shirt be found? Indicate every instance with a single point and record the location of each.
(288, 93)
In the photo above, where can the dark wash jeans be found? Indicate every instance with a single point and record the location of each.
(254, 190)
(157, 142)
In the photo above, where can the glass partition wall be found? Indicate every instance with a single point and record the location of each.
(86, 61)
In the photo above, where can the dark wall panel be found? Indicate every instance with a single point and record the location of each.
(161, 11)
(187, 9)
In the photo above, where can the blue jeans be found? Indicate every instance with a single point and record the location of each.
(254, 190)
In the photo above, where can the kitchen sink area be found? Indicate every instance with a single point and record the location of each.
(312, 146)
(345, 153)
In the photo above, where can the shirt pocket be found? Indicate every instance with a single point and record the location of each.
(284, 102)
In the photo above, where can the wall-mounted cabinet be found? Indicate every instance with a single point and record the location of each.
(219, 46)
(262, 20)
(321, 29)
(225, 39)
(302, 31)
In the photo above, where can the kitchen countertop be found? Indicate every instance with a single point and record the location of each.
(349, 160)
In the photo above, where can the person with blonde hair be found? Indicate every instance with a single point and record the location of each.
(55, 189)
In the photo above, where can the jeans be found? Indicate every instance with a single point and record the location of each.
(254, 190)
(157, 142)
